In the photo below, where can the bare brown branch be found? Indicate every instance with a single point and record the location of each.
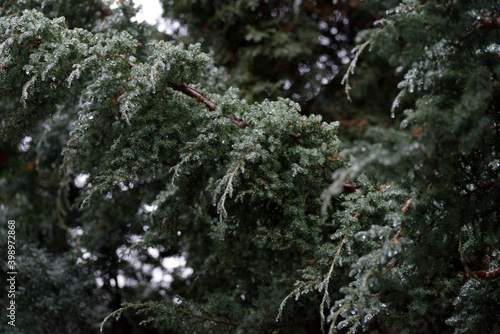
(192, 93)
(488, 275)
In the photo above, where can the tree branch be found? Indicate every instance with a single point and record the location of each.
(488, 275)
(192, 93)
(391, 266)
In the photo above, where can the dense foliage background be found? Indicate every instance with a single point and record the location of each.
(310, 165)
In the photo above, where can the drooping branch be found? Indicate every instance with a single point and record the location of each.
(238, 122)
(392, 266)
(189, 91)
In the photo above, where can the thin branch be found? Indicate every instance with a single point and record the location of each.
(407, 205)
(352, 65)
(228, 191)
(394, 240)
(116, 313)
(361, 294)
(192, 93)
(87, 199)
(398, 234)
(325, 295)
(391, 266)
(176, 167)
(236, 121)
(294, 292)
(307, 195)
(488, 275)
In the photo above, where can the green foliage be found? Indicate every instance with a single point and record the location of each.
(125, 149)
(443, 156)
(51, 298)
(271, 48)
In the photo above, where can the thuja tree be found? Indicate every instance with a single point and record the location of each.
(235, 187)
(416, 246)
(423, 221)
(297, 49)
(402, 238)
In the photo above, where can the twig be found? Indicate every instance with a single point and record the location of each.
(294, 292)
(325, 295)
(117, 312)
(394, 240)
(192, 93)
(345, 80)
(391, 266)
(407, 206)
(398, 234)
(236, 121)
(487, 275)
(307, 195)
(228, 191)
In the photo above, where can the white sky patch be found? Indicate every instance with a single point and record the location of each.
(99, 281)
(161, 275)
(170, 263)
(76, 232)
(149, 208)
(134, 239)
(81, 180)
(121, 281)
(25, 144)
(151, 12)
(153, 252)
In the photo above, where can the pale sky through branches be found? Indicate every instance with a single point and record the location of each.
(151, 11)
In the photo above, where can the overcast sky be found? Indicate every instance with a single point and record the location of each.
(151, 11)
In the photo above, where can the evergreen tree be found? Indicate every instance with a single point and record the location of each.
(122, 147)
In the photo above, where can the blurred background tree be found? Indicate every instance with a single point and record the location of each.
(296, 49)
(121, 151)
